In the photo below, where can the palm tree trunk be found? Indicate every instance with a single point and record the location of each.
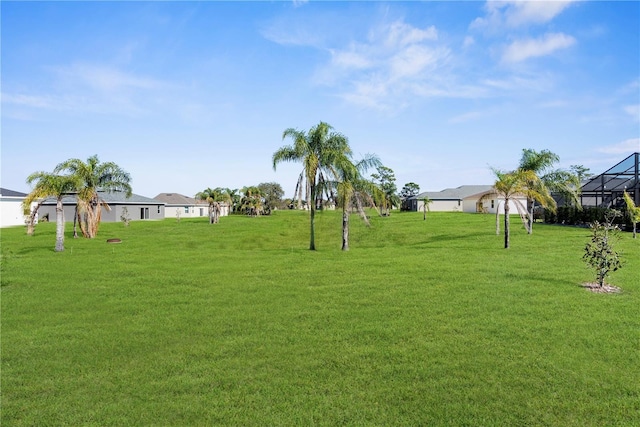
(345, 228)
(532, 203)
(506, 223)
(76, 215)
(497, 218)
(312, 216)
(93, 218)
(30, 226)
(59, 226)
(31, 222)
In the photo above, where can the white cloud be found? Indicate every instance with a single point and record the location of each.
(521, 50)
(400, 34)
(535, 12)
(104, 78)
(90, 88)
(350, 59)
(468, 41)
(466, 117)
(415, 59)
(32, 101)
(628, 146)
(633, 111)
(396, 61)
(516, 13)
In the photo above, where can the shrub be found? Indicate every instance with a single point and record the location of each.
(599, 251)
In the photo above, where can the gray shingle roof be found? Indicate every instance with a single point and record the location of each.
(177, 199)
(10, 193)
(458, 193)
(115, 197)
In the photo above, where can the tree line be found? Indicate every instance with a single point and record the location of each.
(329, 174)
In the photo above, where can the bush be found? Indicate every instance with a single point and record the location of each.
(599, 251)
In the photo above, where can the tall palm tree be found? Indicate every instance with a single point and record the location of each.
(508, 186)
(352, 187)
(549, 180)
(319, 150)
(214, 197)
(52, 185)
(94, 176)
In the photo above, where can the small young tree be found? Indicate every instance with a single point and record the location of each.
(599, 252)
(124, 217)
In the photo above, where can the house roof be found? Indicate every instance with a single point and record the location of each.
(113, 197)
(10, 193)
(458, 193)
(176, 199)
(179, 199)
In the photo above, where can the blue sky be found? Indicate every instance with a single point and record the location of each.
(190, 95)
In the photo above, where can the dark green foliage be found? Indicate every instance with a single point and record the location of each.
(599, 252)
(272, 193)
(571, 215)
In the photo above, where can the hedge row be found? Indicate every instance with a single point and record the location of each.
(570, 215)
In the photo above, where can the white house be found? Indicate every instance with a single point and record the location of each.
(11, 212)
(465, 198)
(180, 206)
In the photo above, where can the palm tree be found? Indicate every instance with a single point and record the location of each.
(508, 185)
(214, 197)
(251, 202)
(352, 187)
(319, 150)
(425, 206)
(632, 210)
(558, 181)
(94, 176)
(52, 185)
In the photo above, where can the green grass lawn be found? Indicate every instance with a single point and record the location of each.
(420, 323)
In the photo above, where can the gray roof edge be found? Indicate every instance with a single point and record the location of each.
(5, 192)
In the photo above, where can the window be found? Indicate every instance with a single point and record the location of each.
(492, 204)
(186, 209)
(144, 213)
(158, 208)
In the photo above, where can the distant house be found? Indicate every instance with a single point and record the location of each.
(465, 198)
(186, 207)
(11, 212)
(135, 207)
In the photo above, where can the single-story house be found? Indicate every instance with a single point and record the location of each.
(134, 207)
(11, 212)
(180, 206)
(465, 198)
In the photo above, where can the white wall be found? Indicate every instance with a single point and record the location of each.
(470, 205)
(11, 213)
(442, 206)
(194, 211)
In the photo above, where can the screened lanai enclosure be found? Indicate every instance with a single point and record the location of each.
(605, 190)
